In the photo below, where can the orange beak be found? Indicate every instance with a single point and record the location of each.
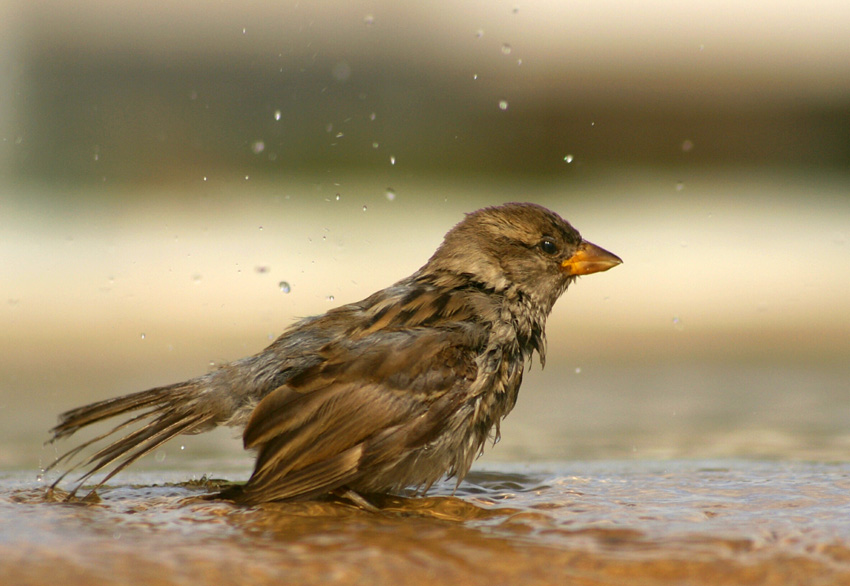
(589, 259)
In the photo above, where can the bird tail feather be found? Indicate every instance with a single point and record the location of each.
(168, 411)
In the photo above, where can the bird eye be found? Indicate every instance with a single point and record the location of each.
(548, 246)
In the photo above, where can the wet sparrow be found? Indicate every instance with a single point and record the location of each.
(393, 391)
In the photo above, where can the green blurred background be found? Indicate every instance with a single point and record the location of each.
(167, 166)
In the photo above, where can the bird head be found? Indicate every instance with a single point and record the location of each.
(520, 246)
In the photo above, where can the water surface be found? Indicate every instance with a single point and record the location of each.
(614, 522)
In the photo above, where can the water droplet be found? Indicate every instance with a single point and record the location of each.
(330, 297)
(205, 177)
(680, 186)
(96, 157)
(375, 145)
(390, 194)
(519, 61)
(474, 76)
(364, 208)
(392, 160)
(160, 456)
(677, 324)
(182, 448)
(258, 146)
(479, 33)
(196, 278)
(568, 158)
(277, 114)
(261, 228)
(503, 105)
(244, 30)
(338, 196)
(261, 269)
(515, 10)
(247, 177)
(369, 20)
(687, 146)
(341, 71)
(143, 335)
(372, 116)
(506, 49)
(578, 370)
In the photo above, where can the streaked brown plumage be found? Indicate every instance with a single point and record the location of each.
(393, 391)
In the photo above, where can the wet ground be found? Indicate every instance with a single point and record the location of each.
(615, 522)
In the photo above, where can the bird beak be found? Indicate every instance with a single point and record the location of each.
(589, 259)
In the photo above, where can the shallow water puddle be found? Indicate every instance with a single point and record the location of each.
(584, 523)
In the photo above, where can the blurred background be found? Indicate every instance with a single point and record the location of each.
(181, 180)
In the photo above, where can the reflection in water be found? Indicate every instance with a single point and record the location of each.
(656, 523)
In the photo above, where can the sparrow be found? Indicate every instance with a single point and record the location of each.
(392, 392)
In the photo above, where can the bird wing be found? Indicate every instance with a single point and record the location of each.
(371, 400)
